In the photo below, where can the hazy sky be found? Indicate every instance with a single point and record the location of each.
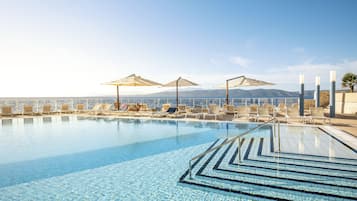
(68, 48)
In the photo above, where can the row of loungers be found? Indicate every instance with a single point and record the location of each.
(252, 112)
(64, 109)
(46, 109)
(288, 113)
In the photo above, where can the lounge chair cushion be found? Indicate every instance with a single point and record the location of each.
(123, 107)
(172, 110)
(133, 108)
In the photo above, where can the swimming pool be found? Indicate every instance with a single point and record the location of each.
(75, 157)
(35, 148)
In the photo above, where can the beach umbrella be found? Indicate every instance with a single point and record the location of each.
(180, 82)
(131, 81)
(243, 81)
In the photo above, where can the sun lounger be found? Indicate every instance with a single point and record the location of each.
(195, 112)
(143, 111)
(263, 113)
(228, 109)
(79, 108)
(253, 109)
(270, 108)
(281, 110)
(46, 109)
(65, 109)
(27, 110)
(123, 107)
(242, 111)
(97, 109)
(165, 107)
(124, 110)
(317, 113)
(159, 114)
(181, 108)
(213, 111)
(165, 111)
(173, 113)
(293, 113)
(6, 111)
(106, 109)
(144, 108)
(133, 107)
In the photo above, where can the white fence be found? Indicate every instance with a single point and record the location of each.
(17, 104)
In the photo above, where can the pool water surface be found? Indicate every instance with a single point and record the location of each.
(87, 158)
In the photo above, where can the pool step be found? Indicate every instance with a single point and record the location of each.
(255, 158)
(266, 178)
(200, 164)
(303, 161)
(310, 157)
(295, 183)
(337, 160)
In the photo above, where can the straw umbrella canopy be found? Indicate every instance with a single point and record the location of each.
(180, 82)
(132, 81)
(243, 81)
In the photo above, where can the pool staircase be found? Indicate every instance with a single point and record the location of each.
(255, 168)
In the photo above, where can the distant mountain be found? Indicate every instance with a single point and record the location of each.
(233, 93)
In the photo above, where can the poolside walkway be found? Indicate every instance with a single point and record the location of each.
(346, 123)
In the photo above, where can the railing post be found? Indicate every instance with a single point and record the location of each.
(274, 128)
(279, 135)
(16, 109)
(239, 152)
(38, 106)
(190, 169)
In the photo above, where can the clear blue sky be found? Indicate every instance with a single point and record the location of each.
(66, 48)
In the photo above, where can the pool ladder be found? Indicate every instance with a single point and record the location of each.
(276, 132)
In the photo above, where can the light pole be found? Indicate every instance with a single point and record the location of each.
(332, 93)
(301, 101)
(317, 100)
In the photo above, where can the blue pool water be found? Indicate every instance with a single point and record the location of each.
(44, 147)
(82, 158)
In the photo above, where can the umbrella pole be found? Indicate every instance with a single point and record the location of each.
(227, 98)
(118, 104)
(177, 92)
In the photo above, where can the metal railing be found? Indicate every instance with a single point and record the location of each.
(238, 138)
